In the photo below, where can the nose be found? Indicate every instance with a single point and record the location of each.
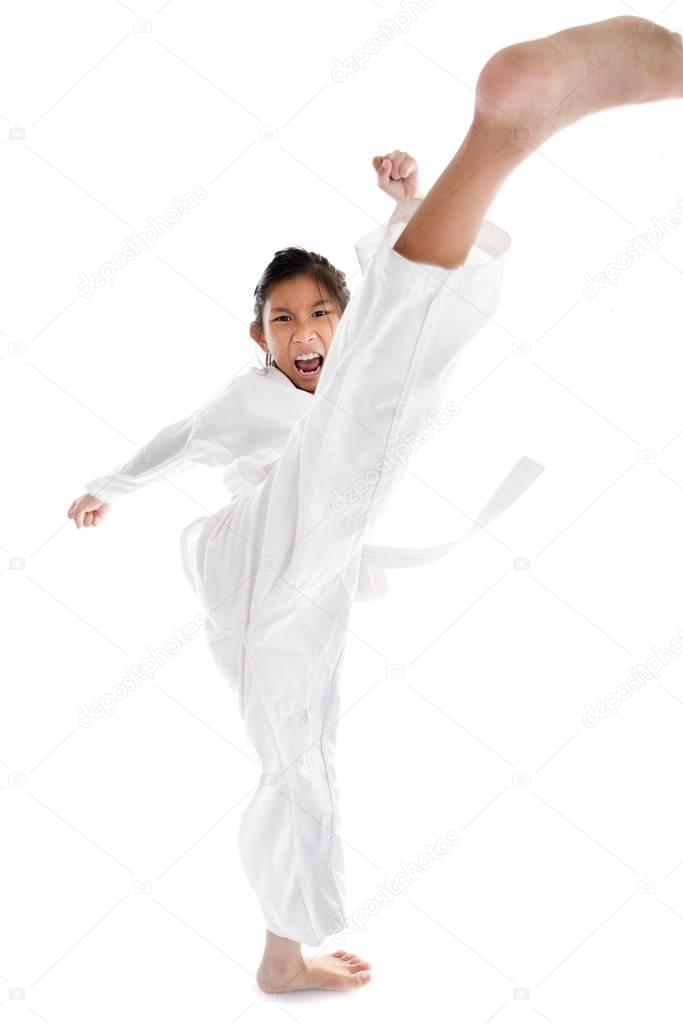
(304, 336)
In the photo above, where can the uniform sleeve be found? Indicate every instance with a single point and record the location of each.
(386, 233)
(211, 435)
(492, 241)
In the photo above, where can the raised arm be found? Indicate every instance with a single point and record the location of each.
(397, 175)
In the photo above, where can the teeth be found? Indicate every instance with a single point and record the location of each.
(309, 355)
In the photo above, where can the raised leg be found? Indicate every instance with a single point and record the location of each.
(526, 93)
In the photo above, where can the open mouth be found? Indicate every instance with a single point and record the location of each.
(308, 368)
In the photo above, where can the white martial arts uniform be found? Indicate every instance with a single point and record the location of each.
(278, 568)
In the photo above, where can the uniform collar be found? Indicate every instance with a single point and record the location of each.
(279, 377)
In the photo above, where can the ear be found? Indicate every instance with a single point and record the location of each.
(257, 335)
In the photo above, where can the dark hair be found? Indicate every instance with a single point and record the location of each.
(292, 262)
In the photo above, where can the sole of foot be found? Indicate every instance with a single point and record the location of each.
(530, 90)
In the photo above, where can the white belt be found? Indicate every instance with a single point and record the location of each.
(375, 560)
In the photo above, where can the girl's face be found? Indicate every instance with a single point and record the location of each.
(299, 319)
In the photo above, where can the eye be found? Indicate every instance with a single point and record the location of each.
(282, 316)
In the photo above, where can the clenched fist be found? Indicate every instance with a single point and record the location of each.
(397, 174)
(87, 510)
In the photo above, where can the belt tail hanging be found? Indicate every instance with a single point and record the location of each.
(525, 471)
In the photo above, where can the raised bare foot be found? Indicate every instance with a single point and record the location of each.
(530, 90)
(339, 971)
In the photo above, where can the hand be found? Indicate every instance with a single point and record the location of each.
(88, 510)
(397, 174)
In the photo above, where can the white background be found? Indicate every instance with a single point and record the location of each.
(563, 897)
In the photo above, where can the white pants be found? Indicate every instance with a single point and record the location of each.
(276, 570)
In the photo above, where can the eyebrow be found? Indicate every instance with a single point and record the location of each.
(284, 309)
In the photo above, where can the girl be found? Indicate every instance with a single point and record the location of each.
(277, 569)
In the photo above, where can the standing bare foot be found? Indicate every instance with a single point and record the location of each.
(337, 972)
(283, 968)
(530, 90)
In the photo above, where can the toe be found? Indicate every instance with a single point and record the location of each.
(340, 952)
(357, 967)
(363, 978)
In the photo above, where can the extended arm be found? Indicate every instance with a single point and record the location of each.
(211, 435)
(169, 450)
